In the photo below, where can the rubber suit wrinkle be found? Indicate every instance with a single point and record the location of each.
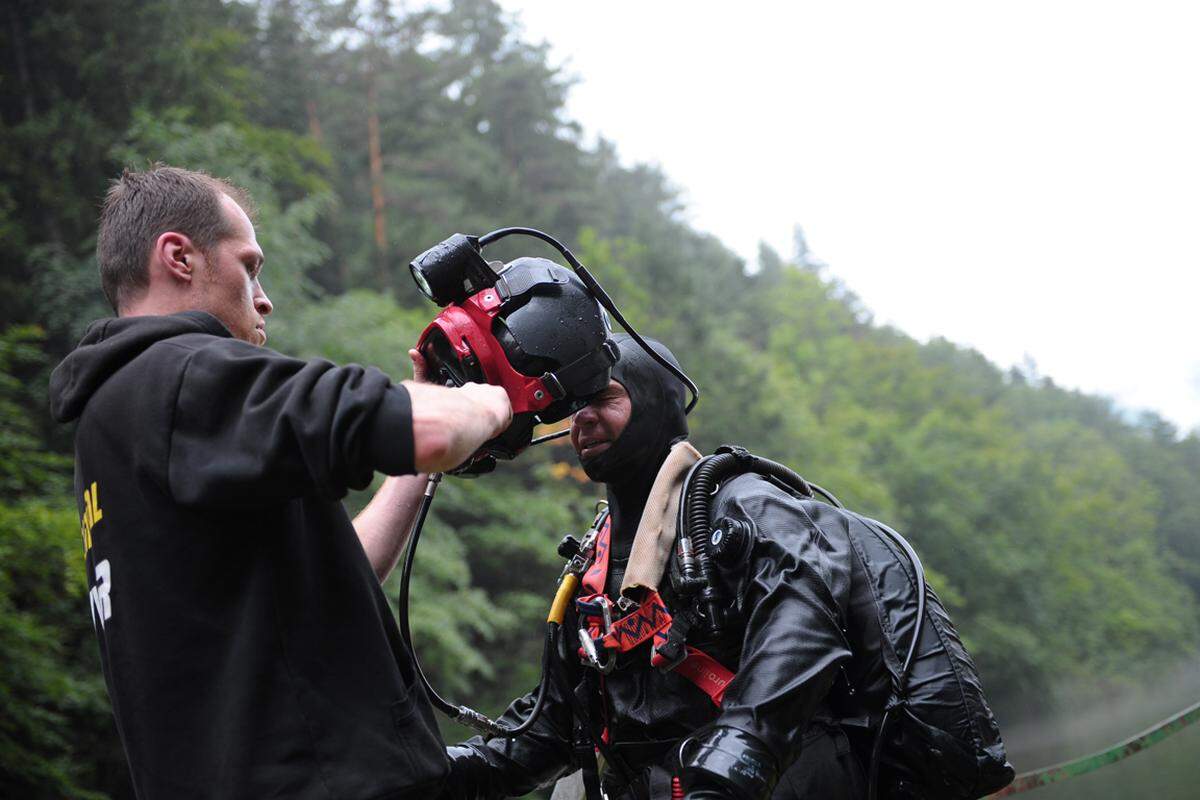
(796, 596)
(786, 528)
(890, 584)
(792, 647)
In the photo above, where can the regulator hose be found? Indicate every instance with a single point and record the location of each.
(700, 485)
(464, 715)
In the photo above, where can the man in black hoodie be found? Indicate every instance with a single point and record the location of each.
(247, 647)
(785, 700)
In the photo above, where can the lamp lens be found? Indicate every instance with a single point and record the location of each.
(419, 279)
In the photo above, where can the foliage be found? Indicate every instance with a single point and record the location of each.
(56, 737)
(26, 467)
(1062, 535)
(56, 733)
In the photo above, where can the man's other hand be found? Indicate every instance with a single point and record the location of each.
(420, 371)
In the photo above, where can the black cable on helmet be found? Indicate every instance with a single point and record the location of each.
(463, 714)
(601, 296)
(551, 436)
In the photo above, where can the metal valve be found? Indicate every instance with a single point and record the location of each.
(568, 547)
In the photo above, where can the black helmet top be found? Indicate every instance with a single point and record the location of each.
(552, 326)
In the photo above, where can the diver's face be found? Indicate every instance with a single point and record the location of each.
(598, 424)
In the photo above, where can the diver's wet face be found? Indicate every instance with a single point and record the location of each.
(598, 424)
(626, 432)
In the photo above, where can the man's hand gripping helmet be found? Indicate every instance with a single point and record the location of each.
(531, 327)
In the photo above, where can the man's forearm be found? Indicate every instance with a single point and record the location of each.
(449, 425)
(384, 525)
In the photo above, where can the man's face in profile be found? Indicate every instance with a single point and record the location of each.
(228, 280)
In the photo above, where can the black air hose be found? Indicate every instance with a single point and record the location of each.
(464, 715)
(699, 487)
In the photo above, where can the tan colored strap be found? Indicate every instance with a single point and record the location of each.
(656, 532)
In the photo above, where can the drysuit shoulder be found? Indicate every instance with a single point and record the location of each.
(775, 513)
(765, 533)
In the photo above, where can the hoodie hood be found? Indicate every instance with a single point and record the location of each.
(110, 344)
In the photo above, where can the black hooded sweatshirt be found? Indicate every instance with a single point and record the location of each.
(247, 647)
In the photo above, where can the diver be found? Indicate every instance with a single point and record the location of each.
(782, 699)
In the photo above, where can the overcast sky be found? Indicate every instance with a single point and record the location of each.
(1020, 177)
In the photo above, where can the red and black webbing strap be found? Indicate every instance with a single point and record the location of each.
(650, 619)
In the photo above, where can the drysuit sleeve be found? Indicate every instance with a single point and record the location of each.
(497, 768)
(251, 426)
(793, 596)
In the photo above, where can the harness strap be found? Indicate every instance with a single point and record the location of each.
(706, 672)
(650, 620)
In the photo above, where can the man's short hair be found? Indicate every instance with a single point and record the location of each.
(141, 206)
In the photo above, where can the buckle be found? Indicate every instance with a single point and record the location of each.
(592, 656)
(672, 654)
(553, 386)
(597, 607)
(673, 650)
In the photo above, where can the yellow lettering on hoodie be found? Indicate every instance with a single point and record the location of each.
(92, 514)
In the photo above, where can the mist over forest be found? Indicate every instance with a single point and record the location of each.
(1061, 535)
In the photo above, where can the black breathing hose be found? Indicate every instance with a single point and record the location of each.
(601, 296)
(462, 714)
(699, 487)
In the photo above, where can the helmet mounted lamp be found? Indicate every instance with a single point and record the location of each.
(533, 327)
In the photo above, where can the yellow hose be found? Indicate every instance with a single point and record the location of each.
(566, 590)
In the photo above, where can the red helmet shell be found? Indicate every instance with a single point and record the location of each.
(468, 329)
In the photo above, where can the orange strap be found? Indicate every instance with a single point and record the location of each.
(651, 619)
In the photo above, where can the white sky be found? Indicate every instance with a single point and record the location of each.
(1020, 177)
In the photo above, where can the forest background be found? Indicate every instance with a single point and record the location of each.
(1061, 533)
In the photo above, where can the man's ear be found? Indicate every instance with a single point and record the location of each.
(175, 257)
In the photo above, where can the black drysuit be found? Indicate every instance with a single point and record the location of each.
(247, 647)
(804, 638)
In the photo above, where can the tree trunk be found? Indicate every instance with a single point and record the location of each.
(381, 261)
(314, 122)
(18, 45)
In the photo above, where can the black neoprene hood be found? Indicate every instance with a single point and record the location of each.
(657, 419)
